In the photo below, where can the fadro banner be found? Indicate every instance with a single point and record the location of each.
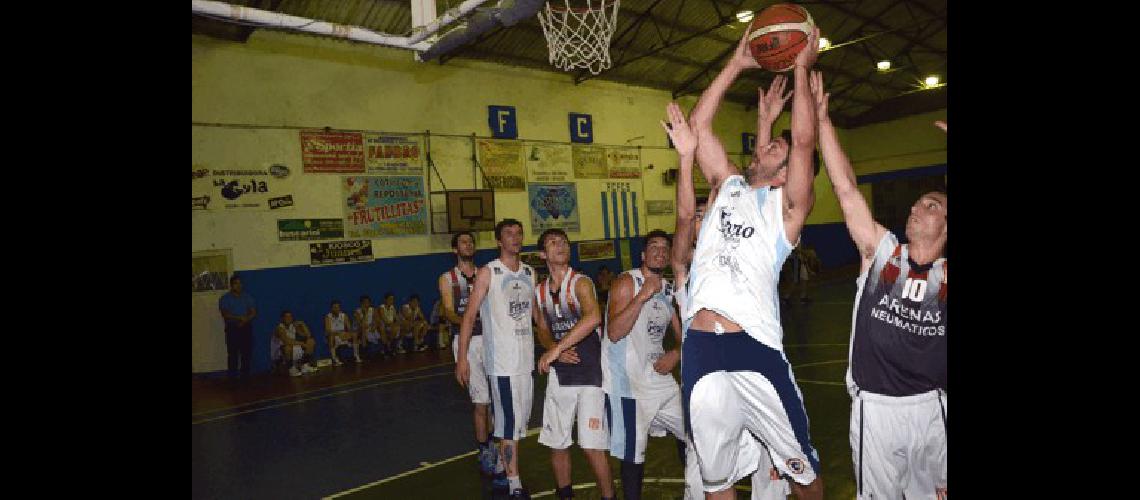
(384, 206)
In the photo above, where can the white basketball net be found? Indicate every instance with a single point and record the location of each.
(579, 37)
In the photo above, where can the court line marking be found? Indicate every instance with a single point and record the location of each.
(302, 393)
(529, 433)
(346, 391)
(658, 480)
(818, 363)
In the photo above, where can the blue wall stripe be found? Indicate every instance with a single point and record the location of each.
(605, 215)
(617, 225)
(636, 225)
(902, 174)
(625, 211)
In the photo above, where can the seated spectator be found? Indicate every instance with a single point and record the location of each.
(339, 334)
(365, 322)
(413, 323)
(297, 344)
(390, 324)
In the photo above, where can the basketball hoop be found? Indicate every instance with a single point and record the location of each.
(579, 37)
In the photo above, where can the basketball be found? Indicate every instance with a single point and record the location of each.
(778, 34)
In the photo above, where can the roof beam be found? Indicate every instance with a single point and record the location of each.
(876, 23)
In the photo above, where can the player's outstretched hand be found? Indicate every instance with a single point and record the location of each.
(941, 492)
(743, 57)
(772, 103)
(666, 363)
(679, 131)
(819, 95)
(940, 124)
(462, 372)
(810, 52)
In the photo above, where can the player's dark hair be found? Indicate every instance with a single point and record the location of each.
(550, 232)
(455, 238)
(504, 223)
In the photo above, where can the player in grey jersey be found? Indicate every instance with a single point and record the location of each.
(896, 373)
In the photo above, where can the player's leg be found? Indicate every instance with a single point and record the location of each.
(593, 436)
(925, 444)
(558, 411)
(877, 452)
(764, 485)
(715, 419)
(774, 411)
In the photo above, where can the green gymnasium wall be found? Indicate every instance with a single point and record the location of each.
(249, 101)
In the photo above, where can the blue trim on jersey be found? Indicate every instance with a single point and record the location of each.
(619, 379)
(761, 196)
(629, 414)
(704, 352)
(605, 215)
(508, 408)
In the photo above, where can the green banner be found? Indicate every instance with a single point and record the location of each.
(309, 229)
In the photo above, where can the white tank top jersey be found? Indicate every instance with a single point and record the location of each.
(389, 312)
(338, 322)
(290, 330)
(508, 338)
(369, 325)
(630, 360)
(736, 264)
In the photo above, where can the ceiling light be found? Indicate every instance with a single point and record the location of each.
(932, 81)
(884, 65)
(824, 44)
(744, 16)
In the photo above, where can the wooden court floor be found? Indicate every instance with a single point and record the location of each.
(402, 428)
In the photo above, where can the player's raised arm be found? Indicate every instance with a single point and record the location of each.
(478, 293)
(713, 159)
(798, 192)
(686, 143)
(864, 230)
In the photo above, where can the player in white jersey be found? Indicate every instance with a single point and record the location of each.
(338, 333)
(366, 318)
(766, 483)
(295, 336)
(508, 343)
(896, 373)
(455, 287)
(734, 373)
(568, 320)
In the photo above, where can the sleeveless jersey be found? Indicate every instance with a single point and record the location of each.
(562, 310)
(388, 313)
(460, 293)
(630, 360)
(369, 324)
(340, 322)
(898, 326)
(736, 264)
(508, 340)
(290, 330)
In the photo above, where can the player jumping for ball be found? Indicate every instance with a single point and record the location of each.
(734, 373)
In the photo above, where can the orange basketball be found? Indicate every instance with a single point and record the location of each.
(778, 34)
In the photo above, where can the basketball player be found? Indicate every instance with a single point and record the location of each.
(896, 373)
(507, 284)
(413, 322)
(766, 484)
(734, 371)
(568, 326)
(455, 288)
(337, 333)
(389, 324)
(365, 318)
(293, 334)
